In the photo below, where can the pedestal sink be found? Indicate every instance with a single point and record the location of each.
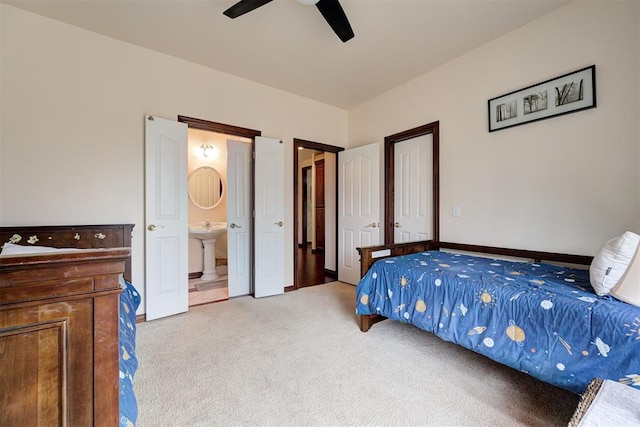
(208, 232)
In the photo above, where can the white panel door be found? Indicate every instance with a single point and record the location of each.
(269, 217)
(239, 221)
(166, 219)
(413, 189)
(358, 207)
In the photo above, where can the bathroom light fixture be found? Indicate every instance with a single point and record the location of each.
(205, 147)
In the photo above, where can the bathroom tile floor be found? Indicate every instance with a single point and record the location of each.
(206, 292)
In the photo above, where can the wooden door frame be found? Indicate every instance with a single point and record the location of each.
(220, 128)
(319, 147)
(389, 185)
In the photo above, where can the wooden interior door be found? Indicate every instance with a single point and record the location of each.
(319, 205)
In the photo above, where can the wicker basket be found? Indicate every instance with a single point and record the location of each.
(587, 398)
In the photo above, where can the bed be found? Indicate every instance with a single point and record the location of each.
(541, 318)
(67, 326)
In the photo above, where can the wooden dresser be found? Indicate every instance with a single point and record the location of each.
(59, 338)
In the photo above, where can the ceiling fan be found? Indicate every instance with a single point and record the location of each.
(330, 9)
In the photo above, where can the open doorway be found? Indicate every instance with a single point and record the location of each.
(210, 140)
(315, 213)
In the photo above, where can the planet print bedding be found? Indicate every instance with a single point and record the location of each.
(129, 302)
(542, 319)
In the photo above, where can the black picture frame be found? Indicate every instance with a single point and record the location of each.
(565, 94)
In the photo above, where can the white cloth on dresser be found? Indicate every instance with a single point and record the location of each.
(615, 404)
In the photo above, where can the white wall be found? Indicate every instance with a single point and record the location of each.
(73, 106)
(563, 184)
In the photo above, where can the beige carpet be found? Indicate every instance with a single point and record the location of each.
(299, 359)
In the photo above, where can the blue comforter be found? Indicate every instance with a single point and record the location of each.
(129, 302)
(541, 319)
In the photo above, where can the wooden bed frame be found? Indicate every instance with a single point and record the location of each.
(59, 323)
(369, 255)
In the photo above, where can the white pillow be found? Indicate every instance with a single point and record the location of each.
(13, 249)
(628, 287)
(612, 261)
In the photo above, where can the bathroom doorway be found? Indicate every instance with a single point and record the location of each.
(207, 145)
(315, 213)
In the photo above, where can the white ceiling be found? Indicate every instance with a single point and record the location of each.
(289, 46)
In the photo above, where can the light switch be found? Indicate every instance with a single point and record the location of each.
(456, 210)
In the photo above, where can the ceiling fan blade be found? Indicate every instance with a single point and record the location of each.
(336, 18)
(243, 7)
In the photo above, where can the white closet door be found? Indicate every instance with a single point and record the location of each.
(166, 218)
(269, 217)
(239, 222)
(358, 207)
(413, 186)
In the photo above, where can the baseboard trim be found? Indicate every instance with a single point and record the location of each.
(289, 288)
(331, 273)
(141, 318)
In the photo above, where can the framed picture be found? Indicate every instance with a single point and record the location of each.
(565, 94)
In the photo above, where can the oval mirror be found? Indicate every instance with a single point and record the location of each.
(205, 187)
